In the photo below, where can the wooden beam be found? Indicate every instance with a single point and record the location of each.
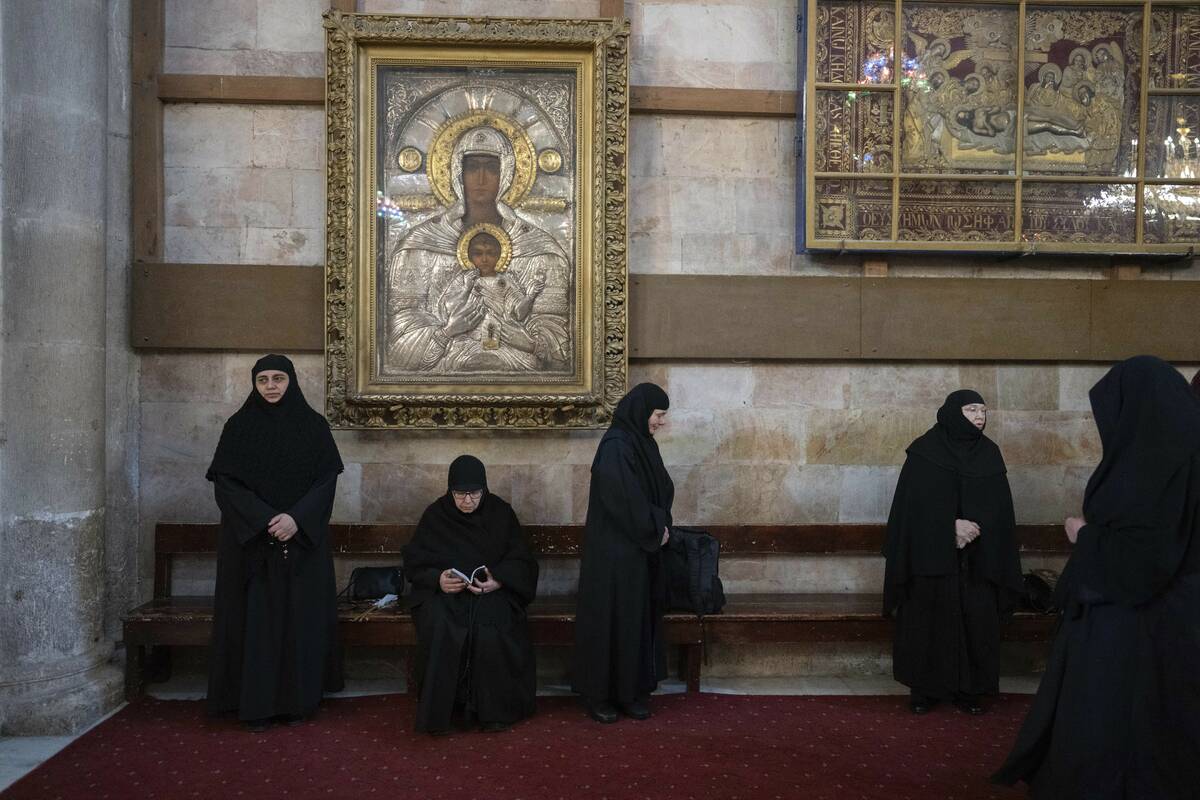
(1131, 317)
(345, 6)
(215, 307)
(220, 307)
(875, 267)
(612, 8)
(988, 319)
(277, 90)
(248, 89)
(711, 102)
(146, 120)
(743, 316)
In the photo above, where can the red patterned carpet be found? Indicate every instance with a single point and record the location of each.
(695, 746)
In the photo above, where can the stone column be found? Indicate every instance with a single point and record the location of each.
(55, 675)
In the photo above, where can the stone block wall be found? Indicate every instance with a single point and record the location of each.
(748, 442)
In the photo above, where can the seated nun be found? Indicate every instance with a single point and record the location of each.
(473, 575)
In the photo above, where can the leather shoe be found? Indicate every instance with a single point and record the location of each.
(293, 720)
(919, 704)
(636, 710)
(493, 727)
(969, 705)
(603, 713)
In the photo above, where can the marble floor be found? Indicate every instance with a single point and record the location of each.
(20, 754)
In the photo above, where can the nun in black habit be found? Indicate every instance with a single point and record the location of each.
(474, 655)
(619, 649)
(952, 563)
(275, 616)
(1117, 714)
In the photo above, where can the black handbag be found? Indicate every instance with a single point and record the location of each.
(372, 583)
(1039, 591)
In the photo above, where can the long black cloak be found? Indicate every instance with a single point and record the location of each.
(948, 602)
(275, 614)
(473, 650)
(1117, 714)
(619, 649)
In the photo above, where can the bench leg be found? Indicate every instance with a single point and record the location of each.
(158, 665)
(135, 658)
(690, 662)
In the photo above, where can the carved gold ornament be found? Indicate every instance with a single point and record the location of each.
(550, 161)
(409, 159)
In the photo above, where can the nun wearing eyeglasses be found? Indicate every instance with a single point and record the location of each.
(473, 575)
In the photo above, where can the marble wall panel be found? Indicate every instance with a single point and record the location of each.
(744, 45)
(245, 37)
(779, 384)
(873, 436)
(1045, 437)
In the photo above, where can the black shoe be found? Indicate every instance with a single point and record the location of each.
(257, 725)
(636, 710)
(603, 713)
(292, 720)
(919, 704)
(969, 704)
(493, 727)
(439, 732)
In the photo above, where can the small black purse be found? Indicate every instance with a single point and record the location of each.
(372, 583)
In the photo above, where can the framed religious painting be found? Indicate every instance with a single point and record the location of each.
(476, 224)
(1008, 126)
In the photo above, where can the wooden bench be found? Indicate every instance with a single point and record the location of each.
(168, 621)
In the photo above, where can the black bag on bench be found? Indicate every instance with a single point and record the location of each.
(690, 562)
(372, 583)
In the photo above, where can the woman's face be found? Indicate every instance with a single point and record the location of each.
(976, 413)
(271, 384)
(466, 502)
(657, 420)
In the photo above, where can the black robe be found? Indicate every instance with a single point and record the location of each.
(275, 614)
(473, 650)
(620, 654)
(1117, 713)
(948, 602)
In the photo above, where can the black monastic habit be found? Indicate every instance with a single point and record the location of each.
(1117, 714)
(619, 649)
(948, 602)
(474, 655)
(275, 615)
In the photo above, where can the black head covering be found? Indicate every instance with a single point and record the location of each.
(277, 450)
(1196, 383)
(1149, 425)
(955, 444)
(467, 474)
(634, 410)
(632, 418)
(490, 535)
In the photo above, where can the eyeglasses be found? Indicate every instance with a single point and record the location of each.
(475, 495)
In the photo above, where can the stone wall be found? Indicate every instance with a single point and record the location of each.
(747, 442)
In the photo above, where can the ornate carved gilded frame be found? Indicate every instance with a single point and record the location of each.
(915, 140)
(579, 384)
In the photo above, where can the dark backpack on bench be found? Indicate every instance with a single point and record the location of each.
(690, 563)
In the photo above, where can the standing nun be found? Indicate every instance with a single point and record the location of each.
(474, 655)
(275, 615)
(952, 562)
(1117, 714)
(619, 649)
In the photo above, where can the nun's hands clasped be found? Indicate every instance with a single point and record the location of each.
(282, 527)
(1072, 526)
(965, 532)
(485, 587)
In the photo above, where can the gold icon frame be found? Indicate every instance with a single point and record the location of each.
(831, 196)
(595, 52)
